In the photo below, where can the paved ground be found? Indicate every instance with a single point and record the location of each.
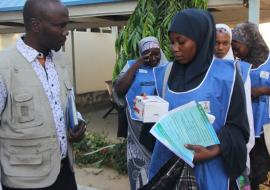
(94, 116)
(100, 178)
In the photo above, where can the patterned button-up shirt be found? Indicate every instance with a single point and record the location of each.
(49, 79)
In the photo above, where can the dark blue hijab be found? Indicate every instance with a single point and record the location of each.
(199, 26)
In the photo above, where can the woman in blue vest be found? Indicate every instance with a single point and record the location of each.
(135, 79)
(248, 45)
(195, 75)
(223, 50)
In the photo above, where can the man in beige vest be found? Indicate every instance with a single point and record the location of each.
(34, 89)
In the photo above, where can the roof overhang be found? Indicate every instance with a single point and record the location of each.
(114, 13)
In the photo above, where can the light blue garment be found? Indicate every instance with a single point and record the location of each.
(216, 88)
(260, 77)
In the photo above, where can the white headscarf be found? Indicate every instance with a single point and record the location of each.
(229, 55)
(152, 42)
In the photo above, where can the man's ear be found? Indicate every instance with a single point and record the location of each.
(35, 24)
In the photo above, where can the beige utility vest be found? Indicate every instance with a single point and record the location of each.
(30, 150)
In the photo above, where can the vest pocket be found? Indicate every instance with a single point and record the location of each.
(24, 111)
(24, 107)
(24, 159)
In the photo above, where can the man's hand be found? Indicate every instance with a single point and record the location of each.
(202, 153)
(78, 134)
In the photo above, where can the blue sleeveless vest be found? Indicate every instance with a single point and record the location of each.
(216, 89)
(260, 77)
(143, 83)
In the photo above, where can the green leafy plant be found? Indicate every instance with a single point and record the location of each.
(96, 149)
(150, 18)
(119, 157)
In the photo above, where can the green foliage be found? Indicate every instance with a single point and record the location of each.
(119, 157)
(96, 149)
(150, 18)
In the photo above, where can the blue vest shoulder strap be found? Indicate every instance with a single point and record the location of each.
(161, 75)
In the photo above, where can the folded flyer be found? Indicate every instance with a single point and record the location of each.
(187, 124)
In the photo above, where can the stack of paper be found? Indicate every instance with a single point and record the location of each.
(187, 124)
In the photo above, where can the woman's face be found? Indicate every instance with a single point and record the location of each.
(183, 48)
(154, 56)
(240, 50)
(223, 44)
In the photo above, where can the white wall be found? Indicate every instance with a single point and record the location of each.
(94, 60)
(265, 29)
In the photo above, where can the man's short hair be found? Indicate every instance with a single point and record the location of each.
(35, 9)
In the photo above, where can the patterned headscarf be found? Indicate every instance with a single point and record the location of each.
(151, 42)
(248, 33)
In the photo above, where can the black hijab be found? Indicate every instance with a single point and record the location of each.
(199, 26)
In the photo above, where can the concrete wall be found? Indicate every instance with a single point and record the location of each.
(94, 60)
(264, 29)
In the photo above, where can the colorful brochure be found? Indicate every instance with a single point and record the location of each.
(187, 124)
